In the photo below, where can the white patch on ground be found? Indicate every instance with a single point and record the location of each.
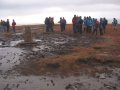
(14, 43)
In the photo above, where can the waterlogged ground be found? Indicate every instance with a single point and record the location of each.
(18, 73)
(82, 82)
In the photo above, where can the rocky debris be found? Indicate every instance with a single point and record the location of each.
(119, 78)
(102, 76)
(52, 82)
(110, 87)
(75, 86)
(7, 87)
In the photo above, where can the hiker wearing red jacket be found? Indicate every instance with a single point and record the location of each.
(13, 25)
(74, 21)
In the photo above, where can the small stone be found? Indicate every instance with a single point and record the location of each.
(18, 85)
(0, 64)
(102, 76)
(118, 77)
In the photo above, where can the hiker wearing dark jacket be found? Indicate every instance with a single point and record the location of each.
(4, 26)
(104, 24)
(1, 26)
(79, 24)
(8, 25)
(101, 26)
(47, 23)
(62, 24)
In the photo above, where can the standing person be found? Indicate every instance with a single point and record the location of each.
(1, 26)
(85, 24)
(79, 24)
(4, 26)
(47, 23)
(74, 22)
(96, 25)
(62, 24)
(8, 25)
(104, 24)
(51, 23)
(94, 22)
(13, 25)
(101, 26)
(90, 24)
(114, 24)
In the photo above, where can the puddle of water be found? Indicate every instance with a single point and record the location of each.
(1, 43)
(35, 49)
(9, 57)
(18, 33)
(14, 43)
(42, 48)
(37, 40)
(55, 42)
(35, 28)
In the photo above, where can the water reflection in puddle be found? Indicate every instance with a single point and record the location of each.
(14, 43)
(18, 33)
(9, 57)
(41, 48)
(60, 42)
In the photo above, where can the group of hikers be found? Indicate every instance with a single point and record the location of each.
(5, 26)
(62, 23)
(86, 25)
(90, 25)
(49, 22)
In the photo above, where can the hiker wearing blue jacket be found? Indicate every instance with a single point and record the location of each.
(47, 24)
(90, 23)
(114, 24)
(85, 24)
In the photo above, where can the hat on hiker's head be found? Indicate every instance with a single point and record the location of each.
(74, 15)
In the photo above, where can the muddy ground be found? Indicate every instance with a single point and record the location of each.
(60, 61)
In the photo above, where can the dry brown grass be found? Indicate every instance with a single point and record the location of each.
(8, 35)
(102, 51)
(67, 63)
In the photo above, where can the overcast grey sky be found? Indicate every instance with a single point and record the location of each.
(34, 11)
